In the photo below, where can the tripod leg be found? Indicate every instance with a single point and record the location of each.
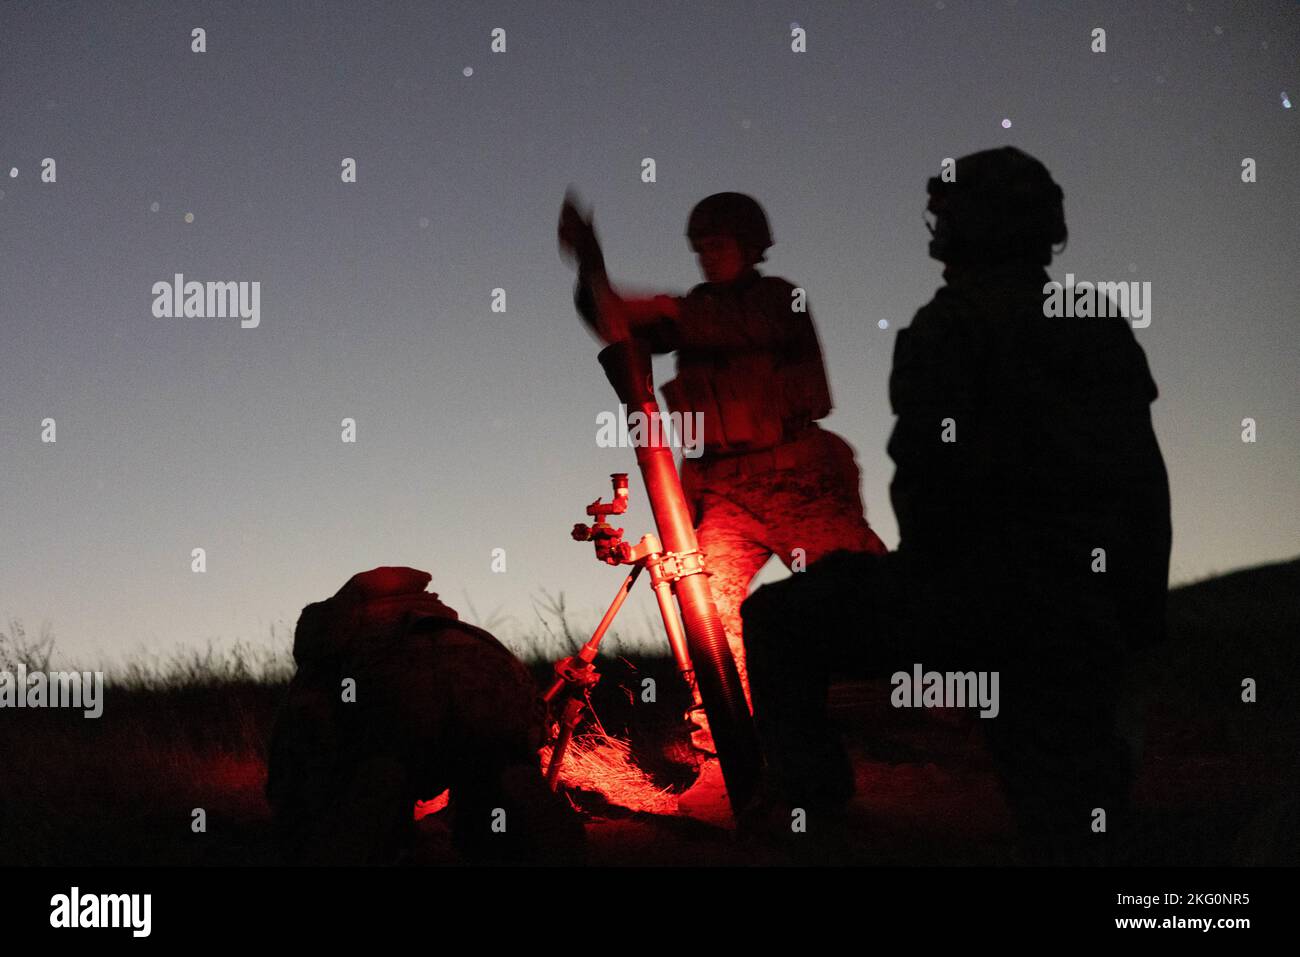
(623, 591)
(588, 653)
(677, 639)
(579, 680)
(572, 712)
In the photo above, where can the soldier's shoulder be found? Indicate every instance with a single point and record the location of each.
(938, 339)
(775, 283)
(776, 289)
(937, 315)
(778, 296)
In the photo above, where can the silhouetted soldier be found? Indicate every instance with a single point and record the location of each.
(1023, 448)
(770, 480)
(437, 705)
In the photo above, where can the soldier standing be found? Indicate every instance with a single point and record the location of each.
(770, 480)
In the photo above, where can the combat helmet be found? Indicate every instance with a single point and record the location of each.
(731, 214)
(1003, 205)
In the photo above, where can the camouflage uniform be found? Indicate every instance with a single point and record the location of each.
(799, 512)
(770, 481)
(439, 705)
(1054, 457)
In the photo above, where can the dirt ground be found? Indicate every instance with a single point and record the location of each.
(1218, 784)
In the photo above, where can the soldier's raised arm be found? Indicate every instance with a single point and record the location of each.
(612, 316)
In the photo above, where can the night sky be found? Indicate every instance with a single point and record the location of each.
(476, 430)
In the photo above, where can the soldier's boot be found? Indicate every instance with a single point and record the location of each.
(706, 799)
(808, 770)
(779, 830)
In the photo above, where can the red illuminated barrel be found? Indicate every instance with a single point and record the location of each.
(627, 365)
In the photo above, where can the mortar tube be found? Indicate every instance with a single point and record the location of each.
(627, 366)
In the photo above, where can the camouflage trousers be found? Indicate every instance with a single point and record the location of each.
(798, 514)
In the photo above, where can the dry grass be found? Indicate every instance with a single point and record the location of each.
(598, 764)
(599, 772)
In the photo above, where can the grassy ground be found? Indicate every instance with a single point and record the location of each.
(1218, 785)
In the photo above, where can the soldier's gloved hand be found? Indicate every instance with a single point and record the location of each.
(578, 237)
